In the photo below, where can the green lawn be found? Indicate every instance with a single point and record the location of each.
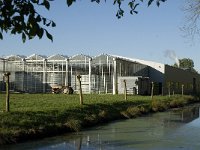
(49, 102)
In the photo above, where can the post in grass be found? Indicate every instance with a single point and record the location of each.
(125, 90)
(80, 89)
(6, 75)
(169, 89)
(182, 89)
(152, 89)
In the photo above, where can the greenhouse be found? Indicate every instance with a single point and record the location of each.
(38, 74)
(102, 74)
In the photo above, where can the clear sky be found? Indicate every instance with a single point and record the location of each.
(91, 29)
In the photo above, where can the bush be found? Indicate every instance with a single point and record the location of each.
(144, 109)
(90, 120)
(103, 115)
(133, 111)
(125, 114)
(73, 124)
(177, 103)
(158, 105)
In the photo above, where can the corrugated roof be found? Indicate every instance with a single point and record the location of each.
(158, 66)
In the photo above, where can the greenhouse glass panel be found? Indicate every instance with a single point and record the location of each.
(80, 65)
(2, 71)
(56, 71)
(102, 71)
(33, 82)
(57, 57)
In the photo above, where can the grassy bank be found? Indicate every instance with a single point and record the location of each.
(40, 115)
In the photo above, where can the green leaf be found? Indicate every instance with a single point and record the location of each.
(46, 4)
(158, 3)
(133, 11)
(97, 1)
(49, 36)
(53, 24)
(48, 24)
(69, 2)
(23, 37)
(35, 1)
(34, 30)
(1, 36)
(13, 31)
(135, 6)
(150, 1)
(40, 33)
(44, 20)
(38, 18)
(130, 4)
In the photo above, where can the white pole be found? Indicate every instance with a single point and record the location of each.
(114, 76)
(182, 89)
(66, 73)
(90, 72)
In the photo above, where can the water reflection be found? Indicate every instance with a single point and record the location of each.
(178, 129)
(178, 117)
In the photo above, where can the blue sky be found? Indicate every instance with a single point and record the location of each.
(92, 29)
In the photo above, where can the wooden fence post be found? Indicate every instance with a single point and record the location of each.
(80, 90)
(125, 90)
(169, 89)
(6, 75)
(182, 89)
(152, 88)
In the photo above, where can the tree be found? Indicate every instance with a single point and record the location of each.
(186, 63)
(191, 26)
(20, 16)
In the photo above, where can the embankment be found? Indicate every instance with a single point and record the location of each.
(26, 124)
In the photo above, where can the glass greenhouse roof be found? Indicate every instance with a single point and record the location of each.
(15, 57)
(80, 58)
(103, 59)
(36, 57)
(57, 57)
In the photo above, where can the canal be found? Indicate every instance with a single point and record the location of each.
(171, 130)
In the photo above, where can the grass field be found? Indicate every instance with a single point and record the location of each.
(39, 115)
(48, 102)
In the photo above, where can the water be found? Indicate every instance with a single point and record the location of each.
(172, 130)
